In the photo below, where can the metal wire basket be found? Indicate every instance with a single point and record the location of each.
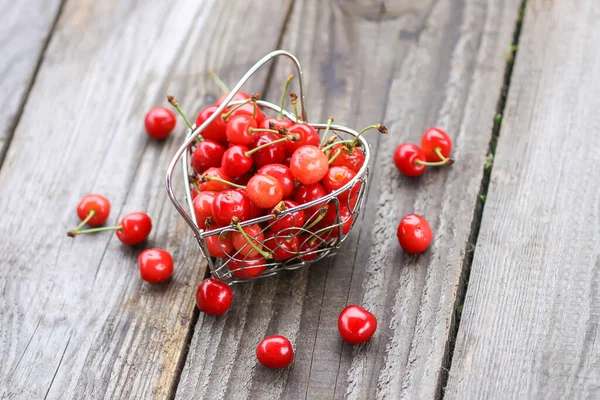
(312, 241)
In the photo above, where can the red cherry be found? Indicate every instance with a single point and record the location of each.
(220, 246)
(350, 158)
(215, 186)
(414, 234)
(216, 129)
(272, 154)
(213, 297)
(286, 223)
(238, 96)
(238, 130)
(308, 137)
(407, 158)
(97, 203)
(308, 244)
(309, 164)
(346, 219)
(208, 154)
(282, 247)
(156, 265)
(242, 180)
(246, 110)
(235, 162)
(264, 191)
(203, 207)
(248, 268)
(282, 174)
(135, 228)
(307, 193)
(277, 123)
(228, 204)
(275, 352)
(159, 122)
(336, 178)
(240, 243)
(435, 138)
(356, 325)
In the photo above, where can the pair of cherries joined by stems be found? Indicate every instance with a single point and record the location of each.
(436, 146)
(156, 265)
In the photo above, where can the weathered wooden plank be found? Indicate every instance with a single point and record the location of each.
(412, 65)
(24, 28)
(529, 327)
(76, 321)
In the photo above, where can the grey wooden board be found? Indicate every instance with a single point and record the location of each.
(412, 64)
(76, 320)
(529, 327)
(24, 30)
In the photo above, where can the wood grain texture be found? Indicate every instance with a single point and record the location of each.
(76, 320)
(24, 30)
(412, 65)
(529, 328)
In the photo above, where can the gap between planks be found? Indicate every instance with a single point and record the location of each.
(36, 69)
(196, 313)
(478, 212)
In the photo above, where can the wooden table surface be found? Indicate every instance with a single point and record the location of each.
(504, 304)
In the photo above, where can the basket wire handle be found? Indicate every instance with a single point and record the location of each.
(191, 137)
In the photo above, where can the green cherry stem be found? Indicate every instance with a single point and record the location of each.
(294, 98)
(336, 155)
(327, 128)
(207, 178)
(448, 161)
(93, 230)
(218, 81)
(175, 104)
(438, 152)
(322, 211)
(253, 130)
(284, 97)
(236, 222)
(289, 138)
(329, 146)
(85, 221)
(379, 127)
(225, 116)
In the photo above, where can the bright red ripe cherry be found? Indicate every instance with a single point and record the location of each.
(256, 237)
(434, 141)
(203, 207)
(356, 325)
(216, 129)
(352, 158)
(264, 191)
(93, 209)
(207, 154)
(156, 265)
(282, 247)
(277, 123)
(308, 244)
(159, 122)
(135, 227)
(330, 218)
(409, 159)
(307, 193)
(275, 352)
(288, 222)
(239, 130)
(414, 234)
(309, 164)
(238, 96)
(272, 154)
(229, 204)
(336, 178)
(282, 174)
(213, 297)
(217, 185)
(308, 137)
(220, 246)
(248, 268)
(235, 162)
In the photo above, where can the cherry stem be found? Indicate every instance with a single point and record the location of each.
(252, 130)
(327, 128)
(280, 207)
(329, 146)
(294, 98)
(438, 151)
(284, 96)
(447, 161)
(379, 127)
(322, 211)
(288, 138)
(207, 178)
(336, 155)
(86, 219)
(218, 81)
(225, 116)
(236, 222)
(93, 230)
